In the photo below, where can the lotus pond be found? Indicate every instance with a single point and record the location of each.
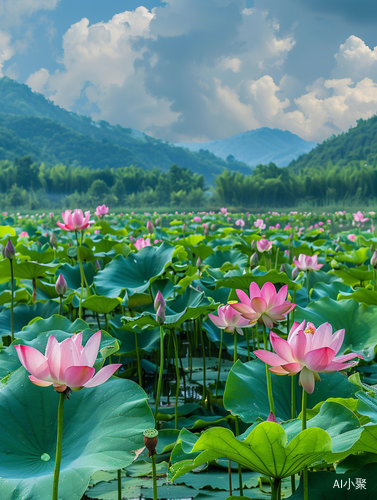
(205, 356)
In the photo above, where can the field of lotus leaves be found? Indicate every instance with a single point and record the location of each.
(248, 341)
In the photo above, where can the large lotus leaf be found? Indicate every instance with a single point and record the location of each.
(42, 254)
(101, 305)
(72, 274)
(7, 231)
(20, 295)
(147, 340)
(353, 276)
(136, 273)
(266, 449)
(259, 277)
(331, 290)
(25, 270)
(107, 229)
(246, 391)
(103, 428)
(219, 259)
(339, 422)
(23, 314)
(218, 479)
(357, 257)
(358, 320)
(330, 486)
(360, 295)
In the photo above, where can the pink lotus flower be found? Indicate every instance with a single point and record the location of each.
(228, 319)
(74, 221)
(309, 351)
(197, 219)
(359, 217)
(264, 245)
(141, 243)
(101, 210)
(260, 224)
(305, 262)
(351, 237)
(240, 222)
(24, 234)
(224, 211)
(65, 365)
(264, 304)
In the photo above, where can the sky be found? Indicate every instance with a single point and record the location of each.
(199, 70)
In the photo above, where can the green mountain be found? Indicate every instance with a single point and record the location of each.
(254, 147)
(359, 143)
(32, 125)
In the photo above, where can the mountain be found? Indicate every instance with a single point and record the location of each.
(359, 143)
(263, 145)
(32, 125)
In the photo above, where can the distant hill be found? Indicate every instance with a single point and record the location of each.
(263, 145)
(32, 125)
(358, 144)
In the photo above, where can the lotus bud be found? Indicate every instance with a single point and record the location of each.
(158, 301)
(184, 228)
(131, 238)
(373, 260)
(160, 316)
(198, 262)
(97, 265)
(61, 285)
(150, 440)
(282, 268)
(150, 227)
(291, 237)
(294, 273)
(271, 418)
(53, 240)
(254, 259)
(9, 251)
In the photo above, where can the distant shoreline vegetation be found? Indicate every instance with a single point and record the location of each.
(28, 185)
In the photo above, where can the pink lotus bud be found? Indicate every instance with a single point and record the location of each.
(271, 418)
(61, 285)
(9, 251)
(198, 262)
(160, 316)
(97, 265)
(282, 268)
(294, 273)
(150, 227)
(254, 259)
(159, 301)
(184, 228)
(373, 260)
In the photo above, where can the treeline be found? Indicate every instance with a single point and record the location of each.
(24, 183)
(27, 184)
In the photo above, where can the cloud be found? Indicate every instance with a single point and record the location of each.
(6, 50)
(13, 11)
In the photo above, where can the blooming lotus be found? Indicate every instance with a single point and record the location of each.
(259, 223)
(101, 210)
(65, 365)
(228, 319)
(74, 221)
(141, 243)
(264, 304)
(306, 263)
(307, 351)
(359, 217)
(264, 245)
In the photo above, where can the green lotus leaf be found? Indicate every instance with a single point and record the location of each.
(42, 254)
(246, 391)
(357, 257)
(136, 273)
(23, 314)
(242, 282)
(358, 320)
(103, 427)
(219, 258)
(72, 274)
(25, 270)
(360, 295)
(353, 276)
(101, 305)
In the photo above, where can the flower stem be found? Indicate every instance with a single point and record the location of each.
(230, 477)
(275, 488)
(268, 376)
(119, 478)
(239, 465)
(161, 372)
(60, 304)
(154, 475)
(293, 415)
(82, 276)
(235, 347)
(248, 343)
(307, 284)
(11, 299)
(178, 380)
(199, 323)
(55, 483)
(219, 364)
(257, 336)
(138, 361)
(303, 421)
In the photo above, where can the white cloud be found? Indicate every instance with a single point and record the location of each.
(13, 11)
(355, 60)
(6, 50)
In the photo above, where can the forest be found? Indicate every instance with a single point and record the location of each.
(24, 183)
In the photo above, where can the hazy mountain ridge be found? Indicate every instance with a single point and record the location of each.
(260, 146)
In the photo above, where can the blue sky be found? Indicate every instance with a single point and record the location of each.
(198, 70)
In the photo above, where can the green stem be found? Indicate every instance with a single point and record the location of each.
(275, 488)
(257, 336)
(235, 347)
(82, 275)
(161, 372)
(178, 380)
(239, 465)
(219, 364)
(276, 258)
(247, 342)
(253, 337)
(374, 278)
(138, 361)
(307, 283)
(204, 362)
(119, 478)
(59, 439)
(230, 477)
(154, 475)
(11, 299)
(60, 304)
(303, 421)
(268, 376)
(293, 415)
